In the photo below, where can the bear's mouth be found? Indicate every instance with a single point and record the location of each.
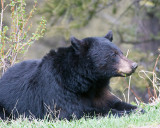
(125, 74)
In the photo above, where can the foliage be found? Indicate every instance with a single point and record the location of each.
(65, 15)
(145, 23)
(15, 39)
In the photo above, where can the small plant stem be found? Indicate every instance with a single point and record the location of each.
(129, 87)
(2, 3)
(154, 79)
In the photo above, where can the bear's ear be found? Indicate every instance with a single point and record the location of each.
(109, 36)
(76, 44)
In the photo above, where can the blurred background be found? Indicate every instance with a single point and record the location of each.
(136, 30)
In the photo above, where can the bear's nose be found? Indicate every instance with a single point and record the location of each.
(134, 65)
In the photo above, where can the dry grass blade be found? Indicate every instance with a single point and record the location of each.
(154, 80)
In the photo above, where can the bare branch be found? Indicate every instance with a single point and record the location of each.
(1, 15)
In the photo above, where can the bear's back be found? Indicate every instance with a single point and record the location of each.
(19, 72)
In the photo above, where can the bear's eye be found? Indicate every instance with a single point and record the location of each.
(115, 53)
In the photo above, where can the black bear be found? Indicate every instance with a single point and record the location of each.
(70, 82)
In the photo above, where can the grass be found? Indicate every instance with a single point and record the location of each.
(150, 118)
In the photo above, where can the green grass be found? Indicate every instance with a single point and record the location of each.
(150, 118)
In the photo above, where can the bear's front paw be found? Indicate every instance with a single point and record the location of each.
(139, 110)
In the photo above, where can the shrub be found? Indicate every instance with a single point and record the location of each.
(15, 39)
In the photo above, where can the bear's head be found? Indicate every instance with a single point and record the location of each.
(106, 58)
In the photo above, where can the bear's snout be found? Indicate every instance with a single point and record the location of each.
(126, 67)
(134, 65)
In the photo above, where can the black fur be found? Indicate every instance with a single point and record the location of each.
(72, 81)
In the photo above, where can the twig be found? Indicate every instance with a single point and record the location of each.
(1, 15)
(129, 79)
(31, 13)
(154, 79)
(156, 63)
(2, 4)
(127, 53)
(129, 86)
